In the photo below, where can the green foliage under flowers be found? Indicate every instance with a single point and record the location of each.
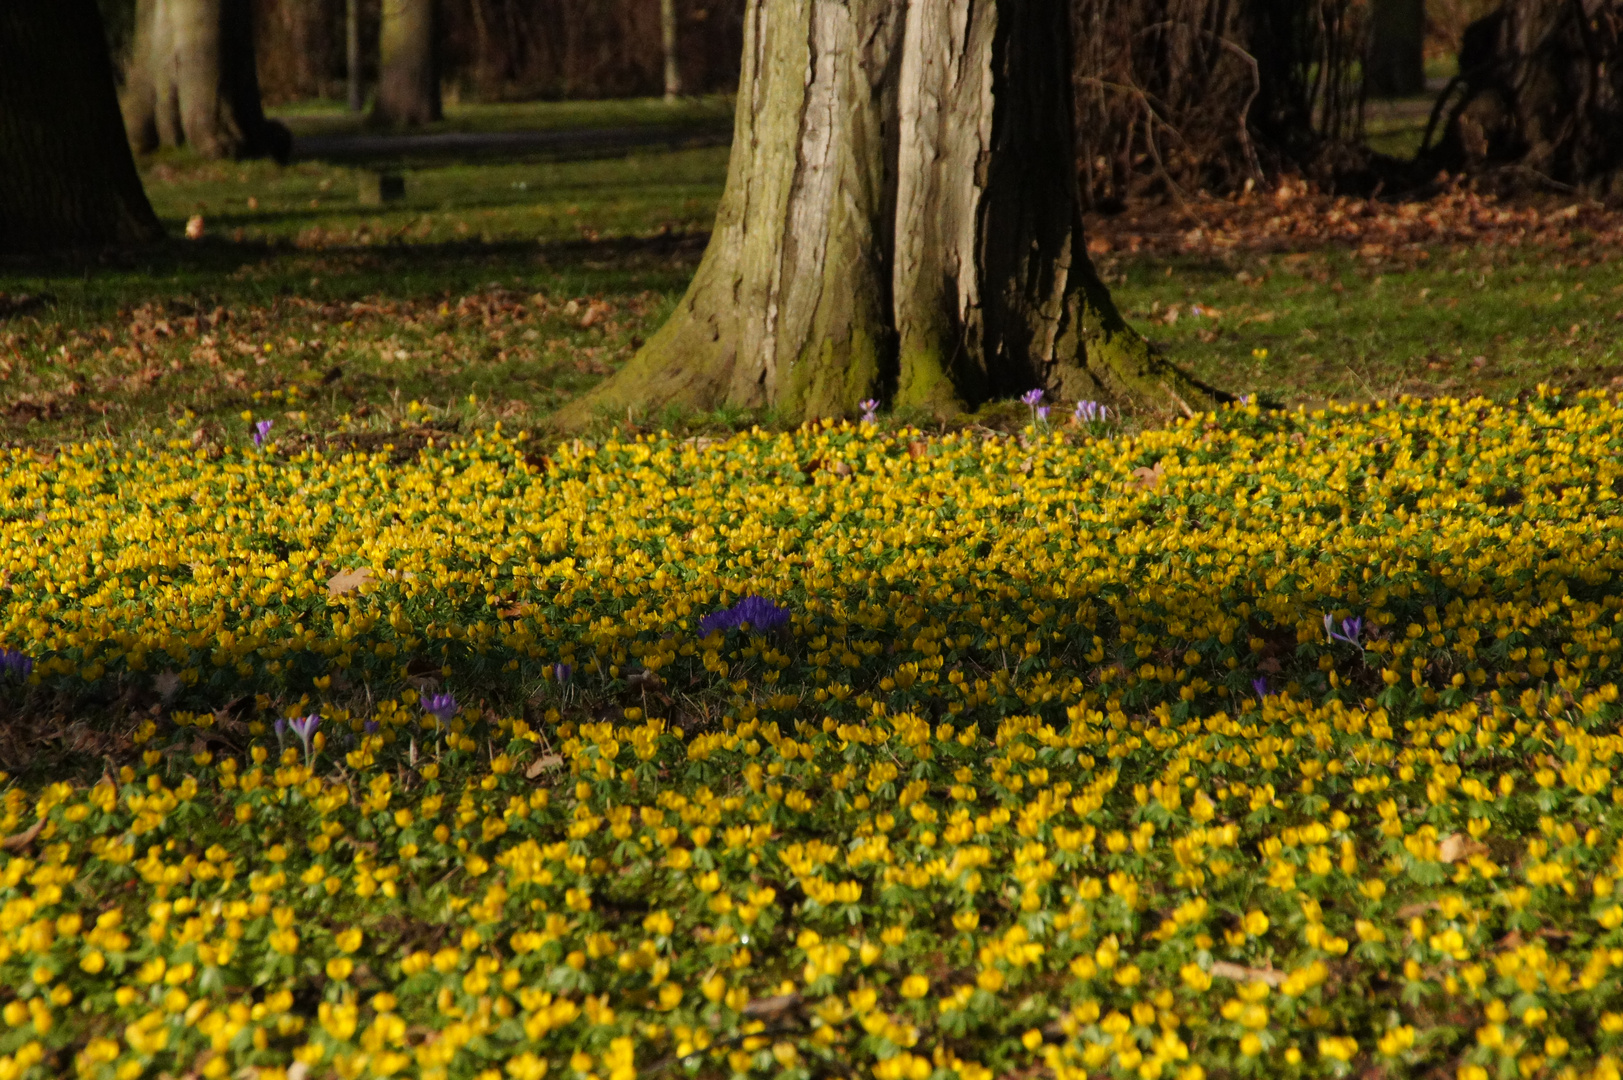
(1265, 745)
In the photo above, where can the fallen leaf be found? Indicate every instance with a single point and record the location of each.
(348, 580)
(1146, 478)
(21, 840)
(1457, 847)
(167, 684)
(541, 765)
(1239, 973)
(772, 1006)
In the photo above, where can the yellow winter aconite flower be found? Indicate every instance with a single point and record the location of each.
(835, 749)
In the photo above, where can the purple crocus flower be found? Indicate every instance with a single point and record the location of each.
(1351, 629)
(561, 672)
(1032, 397)
(305, 729)
(13, 662)
(261, 430)
(442, 706)
(1042, 413)
(870, 411)
(761, 615)
(281, 730)
(1260, 685)
(371, 727)
(1088, 412)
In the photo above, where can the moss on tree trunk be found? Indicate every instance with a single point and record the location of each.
(900, 221)
(68, 179)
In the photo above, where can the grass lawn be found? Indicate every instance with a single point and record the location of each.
(522, 282)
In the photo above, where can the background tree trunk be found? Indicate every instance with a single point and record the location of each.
(192, 81)
(352, 55)
(66, 175)
(1396, 62)
(667, 41)
(408, 78)
(900, 221)
(1539, 97)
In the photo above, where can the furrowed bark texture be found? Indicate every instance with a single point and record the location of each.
(901, 221)
(408, 78)
(66, 175)
(193, 81)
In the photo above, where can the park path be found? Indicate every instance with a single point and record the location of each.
(584, 142)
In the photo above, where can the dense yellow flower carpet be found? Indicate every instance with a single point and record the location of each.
(1266, 745)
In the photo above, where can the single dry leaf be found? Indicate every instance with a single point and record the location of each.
(541, 765)
(1457, 847)
(1239, 973)
(348, 580)
(772, 1006)
(1148, 479)
(167, 683)
(21, 840)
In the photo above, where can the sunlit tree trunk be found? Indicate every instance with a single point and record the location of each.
(192, 81)
(667, 39)
(900, 221)
(66, 175)
(408, 78)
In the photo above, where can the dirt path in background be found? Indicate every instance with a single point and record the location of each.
(586, 142)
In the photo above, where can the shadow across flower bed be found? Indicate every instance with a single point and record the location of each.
(1270, 744)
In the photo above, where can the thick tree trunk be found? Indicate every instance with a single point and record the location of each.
(408, 79)
(900, 221)
(667, 41)
(193, 81)
(1396, 63)
(66, 175)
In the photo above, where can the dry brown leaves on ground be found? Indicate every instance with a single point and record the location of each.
(1296, 217)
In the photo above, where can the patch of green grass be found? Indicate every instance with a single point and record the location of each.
(518, 283)
(522, 283)
(1308, 327)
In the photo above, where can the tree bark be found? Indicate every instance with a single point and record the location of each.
(1396, 63)
(667, 40)
(900, 221)
(193, 81)
(408, 78)
(67, 178)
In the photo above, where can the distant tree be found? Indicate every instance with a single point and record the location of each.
(1396, 63)
(192, 80)
(901, 221)
(408, 74)
(667, 41)
(68, 178)
(1539, 96)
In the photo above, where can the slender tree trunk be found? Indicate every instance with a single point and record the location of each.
(193, 81)
(408, 79)
(352, 54)
(667, 39)
(67, 178)
(900, 221)
(1396, 65)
